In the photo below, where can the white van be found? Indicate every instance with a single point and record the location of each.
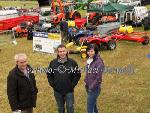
(130, 2)
(137, 15)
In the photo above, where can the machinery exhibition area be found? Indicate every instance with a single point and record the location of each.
(119, 28)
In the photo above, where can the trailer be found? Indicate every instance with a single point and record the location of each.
(11, 18)
(140, 37)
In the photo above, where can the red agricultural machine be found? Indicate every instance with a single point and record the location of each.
(141, 37)
(21, 29)
(64, 11)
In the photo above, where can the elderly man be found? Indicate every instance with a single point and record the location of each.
(21, 86)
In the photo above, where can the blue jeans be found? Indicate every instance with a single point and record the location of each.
(91, 100)
(62, 99)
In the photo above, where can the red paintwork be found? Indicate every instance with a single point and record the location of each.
(95, 39)
(135, 36)
(91, 16)
(80, 22)
(109, 18)
(8, 24)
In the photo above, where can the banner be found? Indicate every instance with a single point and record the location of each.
(46, 42)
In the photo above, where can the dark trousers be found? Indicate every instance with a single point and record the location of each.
(29, 110)
(62, 99)
(91, 100)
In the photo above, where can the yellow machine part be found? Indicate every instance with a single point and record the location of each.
(83, 50)
(79, 48)
(129, 29)
(69, 44)
(126, 29)
(83, 55)
(71, 23)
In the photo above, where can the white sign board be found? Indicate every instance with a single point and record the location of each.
(46, 42)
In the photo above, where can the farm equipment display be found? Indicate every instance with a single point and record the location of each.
(108, 28)
(64, 11)
(141, 37)
(82, 4)
(44, 26)
(101, 42)
(21, 29)
(78, 50)
(97, 17)
(9, 23)
(74, 34)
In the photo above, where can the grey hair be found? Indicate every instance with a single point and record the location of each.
(20, 56)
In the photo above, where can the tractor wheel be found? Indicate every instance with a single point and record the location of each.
(111, 45)
(146, 40)
(146, 24)
(76, 15)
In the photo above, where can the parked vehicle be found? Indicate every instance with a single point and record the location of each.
(130, 2)
(136, 16)
(145, 2)
(146, 22)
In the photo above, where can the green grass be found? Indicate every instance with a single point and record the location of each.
(148, 6)
(23, 4)
(121, 93)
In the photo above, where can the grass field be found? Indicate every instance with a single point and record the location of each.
(121, 93)
(23, 4)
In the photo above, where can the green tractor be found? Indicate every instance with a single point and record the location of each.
(82, 4)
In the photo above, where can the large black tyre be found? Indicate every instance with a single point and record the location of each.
(76, 15)
(146, 23)
(146, 40)
(111, 45)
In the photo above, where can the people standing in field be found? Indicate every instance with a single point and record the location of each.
(63, 75)
(93, 78)
(21, 86)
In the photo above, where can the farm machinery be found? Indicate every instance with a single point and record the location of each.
(64, 11)
(97, 17)
(135, 37)
(74, 34)
(122, 32)
(21, 29)
(101, 42)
